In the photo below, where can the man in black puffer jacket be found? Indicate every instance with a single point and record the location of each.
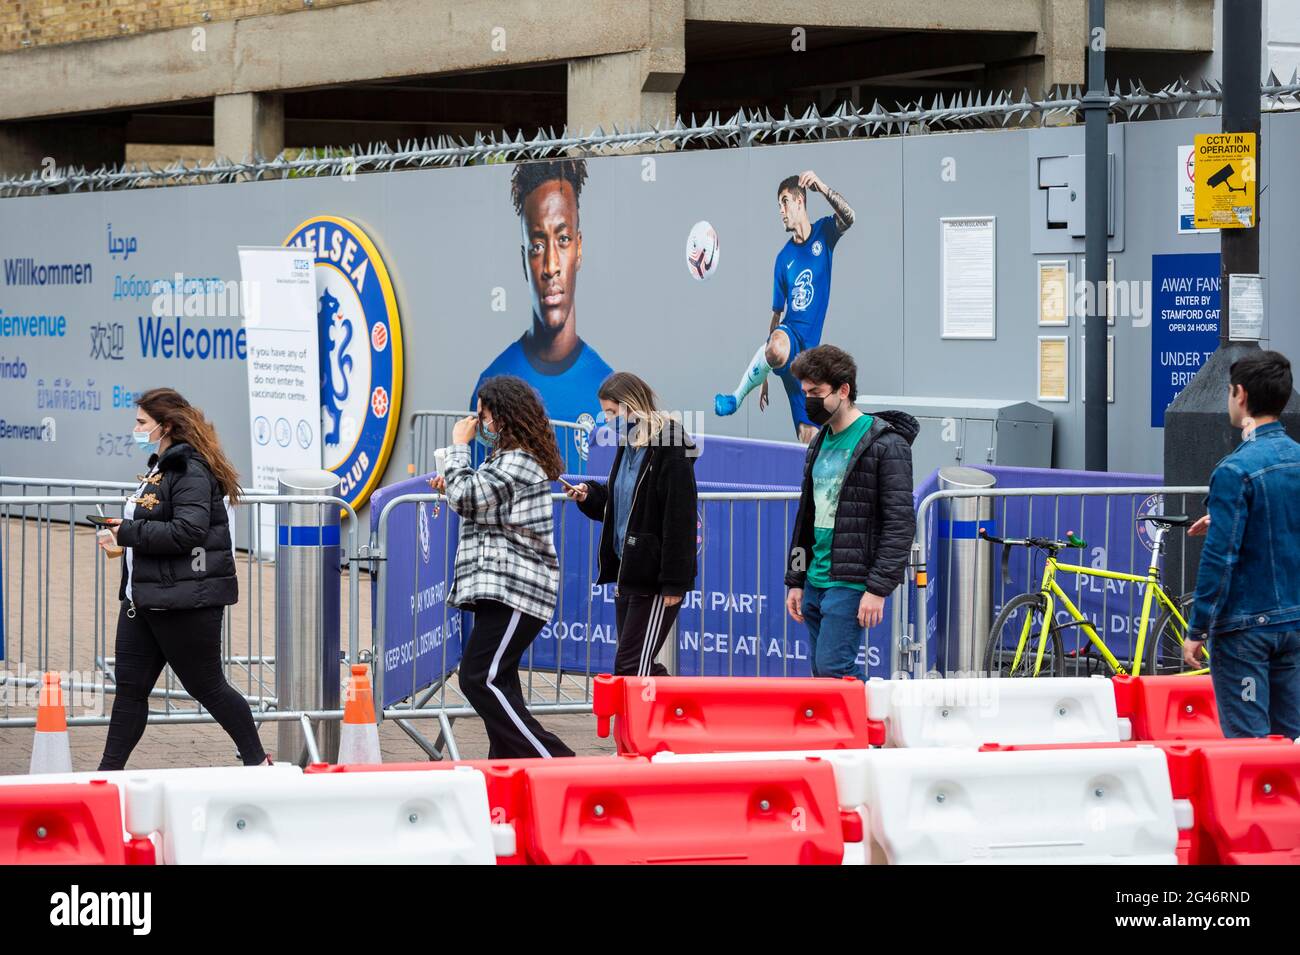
(854, 529)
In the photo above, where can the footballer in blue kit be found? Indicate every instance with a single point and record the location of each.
(801, 293)
(566, 371)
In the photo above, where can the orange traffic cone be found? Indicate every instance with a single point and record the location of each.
(359, 735)
(51, 752)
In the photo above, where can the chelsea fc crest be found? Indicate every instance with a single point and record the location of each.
(360, 338)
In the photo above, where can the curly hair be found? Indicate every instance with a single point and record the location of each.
(529, 175)
(520, 421)
(187, 425)
(827, 365)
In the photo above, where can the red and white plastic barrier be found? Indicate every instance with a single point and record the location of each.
(290, 818)
(1187, 780)
(624, 810)
(1249, 809)
(969, 712)
(934, 805)
(756, 813)
(119, 777)
(720, 714)
(66, 824)
(1167, 707)
(507, 798)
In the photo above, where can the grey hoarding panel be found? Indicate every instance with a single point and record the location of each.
(451, 240)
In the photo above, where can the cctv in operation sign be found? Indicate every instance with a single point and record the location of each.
(1224, 181)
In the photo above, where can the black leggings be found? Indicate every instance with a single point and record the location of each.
(190, 641)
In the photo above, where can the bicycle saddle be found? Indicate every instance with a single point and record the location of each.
(1166, 520)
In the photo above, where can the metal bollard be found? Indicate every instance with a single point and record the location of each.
(307, 592)
(965, 564)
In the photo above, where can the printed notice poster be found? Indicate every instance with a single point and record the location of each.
(1245, 307)
(1184, 323)
(967, 284)
(279, 303)
(1053, 292)
(1185, 180)
(1053, 368)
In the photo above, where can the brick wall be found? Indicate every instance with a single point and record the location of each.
(29, 23)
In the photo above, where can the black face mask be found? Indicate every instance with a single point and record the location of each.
(818, 413)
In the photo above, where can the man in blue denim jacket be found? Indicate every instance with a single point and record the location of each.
(1248, 586)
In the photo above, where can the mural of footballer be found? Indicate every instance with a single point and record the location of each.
(801, 289)
(550, 356)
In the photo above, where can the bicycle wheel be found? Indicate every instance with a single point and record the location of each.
(1004, 637)
(1163, 655)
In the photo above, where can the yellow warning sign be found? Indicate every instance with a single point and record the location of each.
(1223, 192)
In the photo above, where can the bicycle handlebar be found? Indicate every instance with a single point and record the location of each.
(1041, 542)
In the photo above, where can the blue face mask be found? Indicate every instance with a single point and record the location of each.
(142, 440)
(486, 436)
(621, 425)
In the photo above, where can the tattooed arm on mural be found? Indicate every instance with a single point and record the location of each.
(843, 211)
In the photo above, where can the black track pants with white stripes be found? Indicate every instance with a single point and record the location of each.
(644, 623)
(489, 678)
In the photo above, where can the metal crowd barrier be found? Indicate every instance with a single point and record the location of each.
(1044, 512)
(46, 551)
(431, 430)
(561, 683)
(59, 603)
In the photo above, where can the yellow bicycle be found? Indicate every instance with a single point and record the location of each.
(1025, 639)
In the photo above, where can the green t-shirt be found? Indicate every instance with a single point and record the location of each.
(828, 477)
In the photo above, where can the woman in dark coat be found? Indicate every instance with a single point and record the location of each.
(648, 542)
(178, 577)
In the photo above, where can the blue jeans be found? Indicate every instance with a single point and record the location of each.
(1257, 682)
(831, 614)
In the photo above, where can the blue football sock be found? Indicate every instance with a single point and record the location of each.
(755, 374)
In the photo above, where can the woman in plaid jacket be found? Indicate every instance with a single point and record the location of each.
(507, 571)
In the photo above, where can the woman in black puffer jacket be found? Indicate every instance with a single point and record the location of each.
(178, 577)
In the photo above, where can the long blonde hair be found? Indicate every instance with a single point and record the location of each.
(626, 389)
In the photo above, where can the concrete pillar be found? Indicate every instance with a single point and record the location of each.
(635, 88)
(1063, 42)
(604, 90)
(246, 125)
(39, 146)
(1017, 76)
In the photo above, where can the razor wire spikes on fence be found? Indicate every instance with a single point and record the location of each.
(977, 110)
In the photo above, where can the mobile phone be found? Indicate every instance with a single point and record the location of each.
(567, 484)
(99, 520)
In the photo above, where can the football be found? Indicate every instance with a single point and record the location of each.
(702, 251)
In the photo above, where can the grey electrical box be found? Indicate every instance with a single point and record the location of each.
(972, 431)
(1058, 196)
(1062, 178)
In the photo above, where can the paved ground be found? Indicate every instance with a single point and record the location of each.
(47, 627)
